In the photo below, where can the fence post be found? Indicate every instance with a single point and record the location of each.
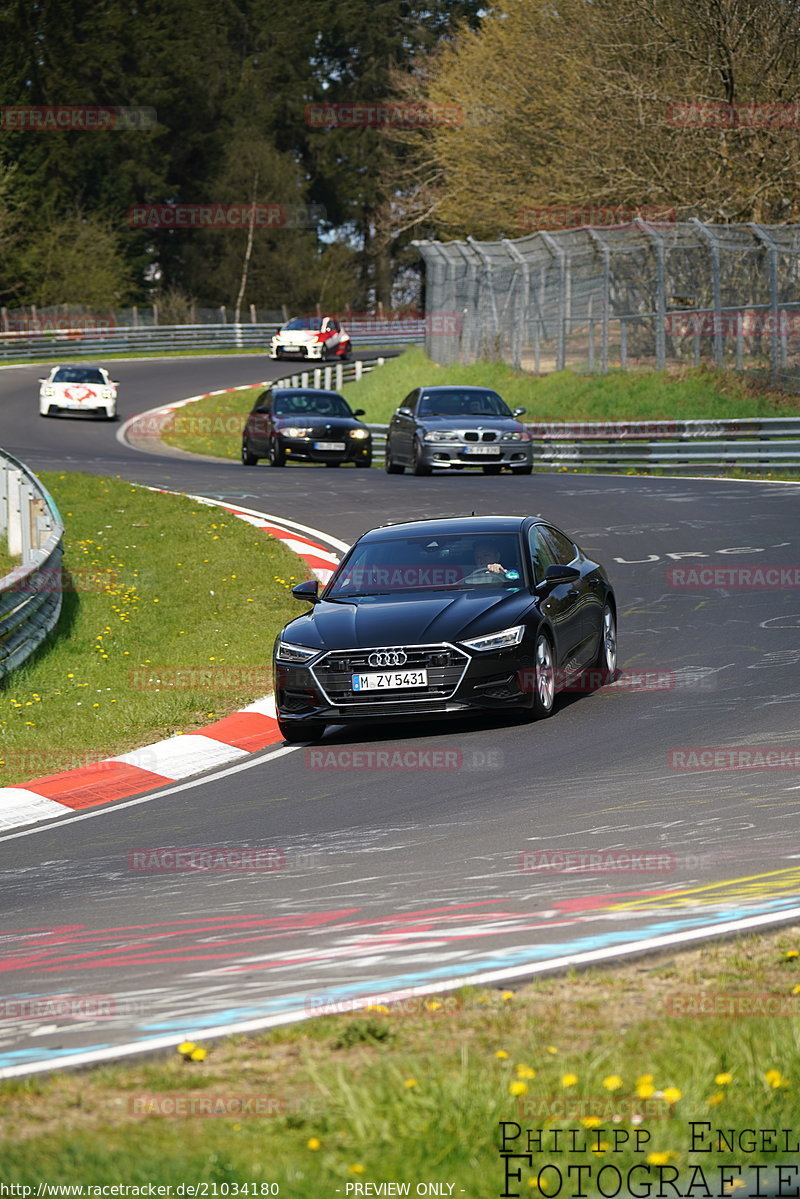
(772, 248)
(14, 510)
(563, 297)
(661, 294)
(339, 375)
(606, 300)
(716, 287)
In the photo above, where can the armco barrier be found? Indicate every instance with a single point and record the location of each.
(30, 595)
(70, 343)
(751, 442)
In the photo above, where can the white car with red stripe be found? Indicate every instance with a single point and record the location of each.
(314, 337)
(79, 391)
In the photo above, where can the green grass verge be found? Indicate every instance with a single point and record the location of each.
(416, 1092)
(214, 425)
(167, 623)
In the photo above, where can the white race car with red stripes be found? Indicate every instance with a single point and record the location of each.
(78, 391)
(312, 337)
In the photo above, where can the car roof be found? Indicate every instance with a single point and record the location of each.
(453, 387)
(304, 391)
(87, 366)
(450, 524)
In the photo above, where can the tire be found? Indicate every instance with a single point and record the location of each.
(418, 467)
(391, 467)
(303, 730)
(277, 454)
(606, 661)
(248, 458)
(522, 470)
(544, 695)
(491, 470)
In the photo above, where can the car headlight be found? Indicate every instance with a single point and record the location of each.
(359, 434)
(502, 640)
(516, 437)
(48, 391)
(294, 653)
(296, 431)
(440, 435)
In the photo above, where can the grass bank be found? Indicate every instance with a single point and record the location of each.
(214, 425)
(608, 1067)
(169, 612)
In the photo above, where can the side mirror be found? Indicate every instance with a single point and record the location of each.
(359, 412)
(519, 411)
(404, 412)
(557, 573)
(42, 380)
(264, 411)
(115, 382)
(307, 591)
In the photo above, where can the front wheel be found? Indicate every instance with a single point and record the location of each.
(606, 660)
(544, 683)
(248, 457)
(277, 454)
(419, 466)
(303, 730)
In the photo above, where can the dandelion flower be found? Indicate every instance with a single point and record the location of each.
(612, 1082)
(569, 1080)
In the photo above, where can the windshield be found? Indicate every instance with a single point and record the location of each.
(310, 403)
(304, 322)
(455, 561)
(462, 403)
(78, 374)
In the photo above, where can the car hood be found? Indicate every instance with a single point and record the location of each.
(294, 336)
(501, 424)
(317, 423)
(384, 620)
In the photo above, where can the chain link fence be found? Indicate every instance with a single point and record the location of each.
(602, 298)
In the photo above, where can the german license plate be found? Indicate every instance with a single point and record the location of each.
(488, 450)
(389, 680)
(292, 349)
(329, 445)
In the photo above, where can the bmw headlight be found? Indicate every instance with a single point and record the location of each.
(295, 653)
(295, 431)
(359, 434)
(503, 640)
(516, 437)
(440, 435)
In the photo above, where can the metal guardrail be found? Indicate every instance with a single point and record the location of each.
(330, 378)
(604, 445)
(70, 343)
(30, 594)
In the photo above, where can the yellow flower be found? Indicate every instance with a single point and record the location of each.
(590, 1121)
(792, 953)
(312, 1143)
(601, 1148)
(518, 1088)
(672, 1094)
(550, 1049)
(796, 989)
(715, 1099)
(525, 1071)
(722, 1080)
(411, 1082)
(186, 1047)
(644, 1086)
(433, 1005)
(500, 1053)
(569, 1080)
(198, 1055)
(507, 995)
(612, 1083)
(660, 1159)
(775, 1079)
(483, 999)
(357, 1168)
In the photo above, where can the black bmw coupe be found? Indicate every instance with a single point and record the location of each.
(443, 617)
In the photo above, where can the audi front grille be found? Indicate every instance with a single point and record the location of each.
(445, 664)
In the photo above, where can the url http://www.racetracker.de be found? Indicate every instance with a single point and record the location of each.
(195, 1190)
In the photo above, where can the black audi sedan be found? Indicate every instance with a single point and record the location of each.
(444, 617)
(306, 424)
(452, 427)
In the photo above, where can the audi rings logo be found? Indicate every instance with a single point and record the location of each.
(388, 657)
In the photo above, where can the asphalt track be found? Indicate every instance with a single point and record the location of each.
(410, 878)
